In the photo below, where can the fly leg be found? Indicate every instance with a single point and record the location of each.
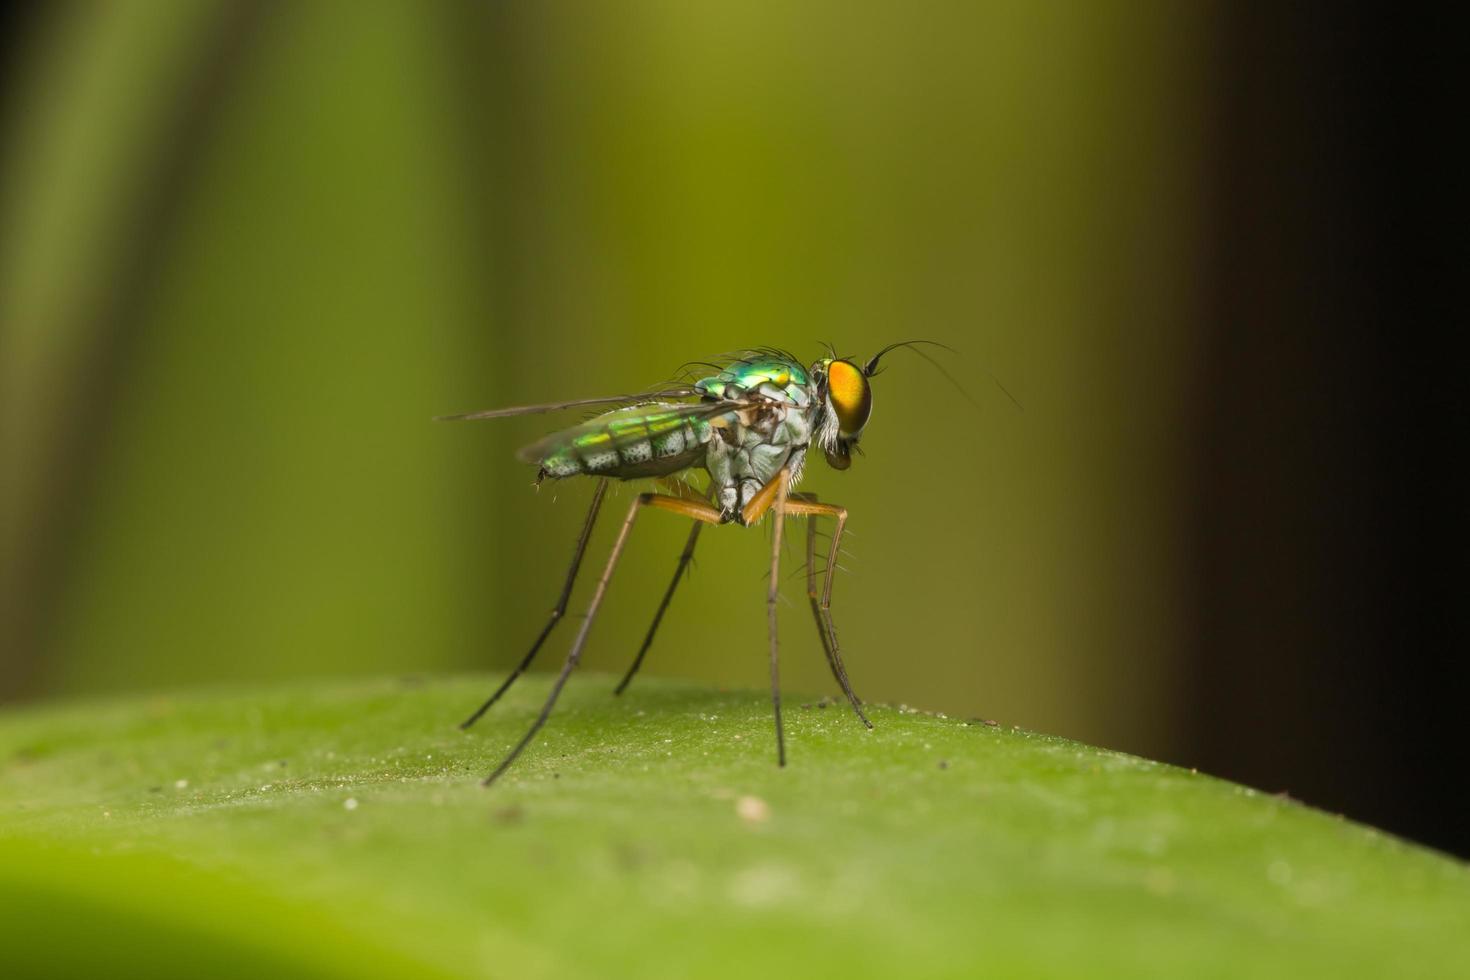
(696, 509)
(811, 587)
(773, 497)
(684, 558)
(807, 505)
(773, 595)
(557, 612)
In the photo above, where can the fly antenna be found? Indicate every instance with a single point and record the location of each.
(871, 368)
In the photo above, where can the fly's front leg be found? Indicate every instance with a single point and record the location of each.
(557, 612)
(698, 510)
(807, 505)
(811, 584)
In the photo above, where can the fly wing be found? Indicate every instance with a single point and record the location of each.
(501, 413)
(622, 428)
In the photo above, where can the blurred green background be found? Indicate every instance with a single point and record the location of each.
(250, 250)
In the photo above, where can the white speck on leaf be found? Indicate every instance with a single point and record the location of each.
(350, 803)
(753, 809)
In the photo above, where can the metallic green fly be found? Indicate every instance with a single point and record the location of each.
(749, 426)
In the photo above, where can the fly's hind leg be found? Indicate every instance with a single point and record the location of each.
(807, 505)
(696, 509)
(557, 612)
(772, 497)
(782, 481)
(685, 557)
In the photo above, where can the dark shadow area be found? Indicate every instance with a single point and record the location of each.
(1329, 548)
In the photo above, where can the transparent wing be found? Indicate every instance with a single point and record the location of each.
(501, 413)
(621, 428)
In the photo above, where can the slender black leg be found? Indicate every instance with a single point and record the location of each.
(821, 605)
(556, 613)
(684, 559)
(696, 509)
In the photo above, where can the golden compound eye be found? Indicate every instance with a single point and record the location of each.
(852, 399)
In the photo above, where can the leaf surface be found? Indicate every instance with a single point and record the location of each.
(338, 828)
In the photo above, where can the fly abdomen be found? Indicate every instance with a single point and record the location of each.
(626, 444)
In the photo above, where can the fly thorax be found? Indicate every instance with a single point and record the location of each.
(748, 453)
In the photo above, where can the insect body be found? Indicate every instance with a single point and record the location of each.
(749, 426)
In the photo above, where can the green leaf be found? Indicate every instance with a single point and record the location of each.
(339, 829)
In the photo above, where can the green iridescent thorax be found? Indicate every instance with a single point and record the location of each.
(771, 375)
